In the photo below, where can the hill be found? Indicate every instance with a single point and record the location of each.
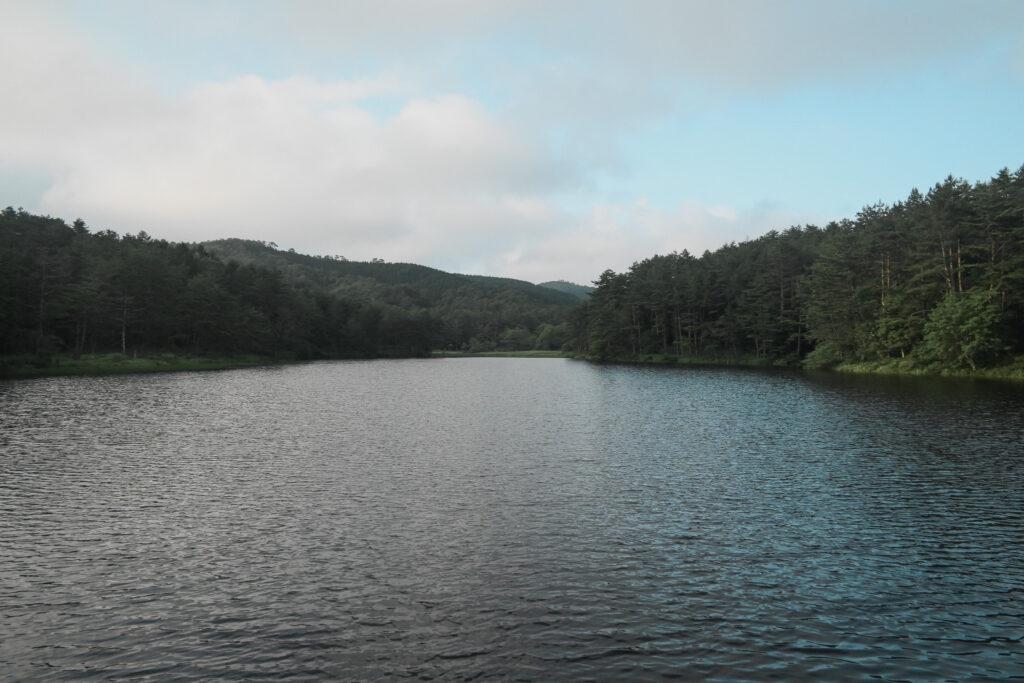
(69, 292)
(474, 312)
(581, 292)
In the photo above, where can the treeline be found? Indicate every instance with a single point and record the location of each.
(936, 280)
(579, 291)
(474, 312)
(65, 289)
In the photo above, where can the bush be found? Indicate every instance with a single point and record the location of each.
(961, 330)
(825, 356)
(477, 345)
(516, 339)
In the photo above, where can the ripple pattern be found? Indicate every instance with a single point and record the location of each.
(526, 519)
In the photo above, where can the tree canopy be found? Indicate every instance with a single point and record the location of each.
(938, 278)
(67, 289)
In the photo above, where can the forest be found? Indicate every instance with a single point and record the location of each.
(67, 290)
(933, 282)
(474, 312)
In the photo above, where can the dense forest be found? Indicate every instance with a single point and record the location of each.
(579, 291)
(933, 281)
(474, 312)
(68, 290)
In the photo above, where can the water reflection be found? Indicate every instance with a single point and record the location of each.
(511, 518)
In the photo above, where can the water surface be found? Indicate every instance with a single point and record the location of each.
(531, 519)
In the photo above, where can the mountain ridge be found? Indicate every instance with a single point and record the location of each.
(477, 312)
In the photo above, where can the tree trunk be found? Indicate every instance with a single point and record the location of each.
(959, 269)
(125, 300)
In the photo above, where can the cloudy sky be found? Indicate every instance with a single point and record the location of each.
(539, 140)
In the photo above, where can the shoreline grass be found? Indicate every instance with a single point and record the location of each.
(23, 367)
(28, 366)
(719, 361)
(1012, 371)
(500, 354)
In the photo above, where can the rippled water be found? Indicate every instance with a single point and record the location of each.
(511, 518)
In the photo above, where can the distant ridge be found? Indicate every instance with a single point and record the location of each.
(581, 292)
(338, 272)
(473, 312)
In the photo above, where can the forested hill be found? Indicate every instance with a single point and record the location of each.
(581, 292)
(66, 289)
(935, 281)
(337, 271)
(474, 312)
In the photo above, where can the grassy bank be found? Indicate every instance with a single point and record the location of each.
(13, 367)
(116, 363)
(658, 359)
(1013, 370)
(500, 354)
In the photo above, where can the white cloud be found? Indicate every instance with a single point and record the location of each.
(444, 178)
(617, 235)
(297, 161)
(57, 87)
(267, 160)
(305, 164)
(745, 44)
(759, 44)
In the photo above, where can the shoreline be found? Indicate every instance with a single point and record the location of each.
(499, 354)
(1012, 371)
(27, 367)
(23, 367)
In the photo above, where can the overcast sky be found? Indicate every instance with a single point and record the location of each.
(538, 140)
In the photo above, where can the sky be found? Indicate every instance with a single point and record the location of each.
(538, 140)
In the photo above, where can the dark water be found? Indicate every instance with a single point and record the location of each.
(510, 518)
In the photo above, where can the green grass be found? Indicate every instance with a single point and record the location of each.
(500, 354)
(659, 359)
(1014, 370)
(116, 363)
(28, 365)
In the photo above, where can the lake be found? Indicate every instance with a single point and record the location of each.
(529, 519)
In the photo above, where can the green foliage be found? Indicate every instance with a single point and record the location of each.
(937, 279)
(962, 330)
(64, 290)
(551, 337)
(481, 346)
(465, 307)
(581, 292)
(116, 363)
(825, 356)
(516, 339)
